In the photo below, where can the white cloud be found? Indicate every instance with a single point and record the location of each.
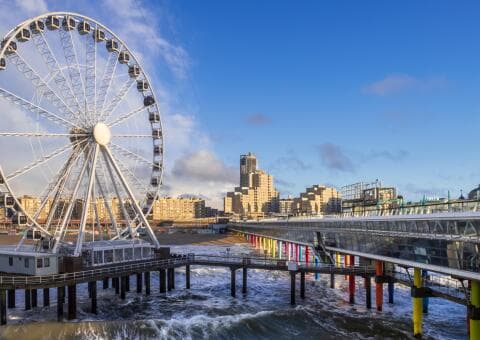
(401, 82)
(32, 7)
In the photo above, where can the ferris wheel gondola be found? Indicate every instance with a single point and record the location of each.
(94, 144)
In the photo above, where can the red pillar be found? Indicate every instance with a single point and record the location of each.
(306, 254)
(379, 286)
(351, 280)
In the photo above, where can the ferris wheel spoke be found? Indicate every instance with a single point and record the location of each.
(139, 185)
(127, 115)
(104, 88)
(119, 96)
(132, 155)
(132, 136)
(62, 181)
(59, 232)
(90, 76)
(54, 67)
(106, 204)
(26, 105)
(41, 134)
(42, 89)
(134, 202)
(76, 79)
(39, 162)
(88, 197)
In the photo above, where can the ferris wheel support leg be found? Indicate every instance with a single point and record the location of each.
(117, 192)
(58, 235)
(132, 197)
(83, 220)
(107, 205)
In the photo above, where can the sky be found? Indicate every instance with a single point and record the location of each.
(323, 92)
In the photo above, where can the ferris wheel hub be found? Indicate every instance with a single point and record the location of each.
(102, 134)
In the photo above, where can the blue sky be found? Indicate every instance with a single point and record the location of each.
(322, 92)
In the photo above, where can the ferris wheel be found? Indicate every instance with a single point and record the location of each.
(81, 138)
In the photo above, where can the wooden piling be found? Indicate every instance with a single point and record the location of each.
(72, 302)
(60, 301)
(146, 276)
(162, 278)
(46, 297)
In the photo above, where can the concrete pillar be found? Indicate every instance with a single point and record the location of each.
(72, 302)
(475, 303)
(123, 287)
(127, 283)
(116, 280)
(90, 290)
(187, 276)
(418, 304)
(60, 301)
(391, 290)
(3, 307)
(34, 298)
(292, 287)
(93, 293)
(233, 287)
(105, 283)
(46, 297)
(147, 282)
(139, 283)
(244, 280)
(351, 281)
(379, 286)
(368, 291)
(162, 278)
(332, 280)
(28, 299)
(302, 285)
(64, 288)
(169, 279)
(11, 298)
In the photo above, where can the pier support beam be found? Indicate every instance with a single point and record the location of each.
(233, 287)
(139, 282)
(391, 290)
(3, 307)
(417, 303)
(172, 274)
(146, 276)
(123, 287)
(368, 291)
(162, 277)
(34, 298)
(116, 283)
(292, 287)
(93, 295)
(11, 298)
(379, 286)
(302, 285)
(425, 299)
(332, 280)
(244, 280)
(46, 297)
(127, 283)
(60, 301)
(187, 276)
(72, 302)
(475, 307)
(105, 283)
(28, 299)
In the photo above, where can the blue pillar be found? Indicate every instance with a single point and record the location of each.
(300, 253)
(317, 263)
(425, 299)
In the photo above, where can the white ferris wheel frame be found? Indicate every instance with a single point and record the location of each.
(99, 147)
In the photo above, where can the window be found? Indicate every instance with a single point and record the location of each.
(138, 253)
(108, 256)
(118, 255)
(98, 257)
(40, 263)
(128, 254)
(27, 263)
(46, 262)
(10, 261)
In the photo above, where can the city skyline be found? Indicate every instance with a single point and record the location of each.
(394, 121)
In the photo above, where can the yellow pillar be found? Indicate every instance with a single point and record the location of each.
(274, 247)
(417, 304)
(475, 301)
(337, 260)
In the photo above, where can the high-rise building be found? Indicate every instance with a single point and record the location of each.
(248, 165)
(256, 196)
(169, 208)
(317, 200)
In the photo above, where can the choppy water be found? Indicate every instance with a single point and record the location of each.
(207, 311)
